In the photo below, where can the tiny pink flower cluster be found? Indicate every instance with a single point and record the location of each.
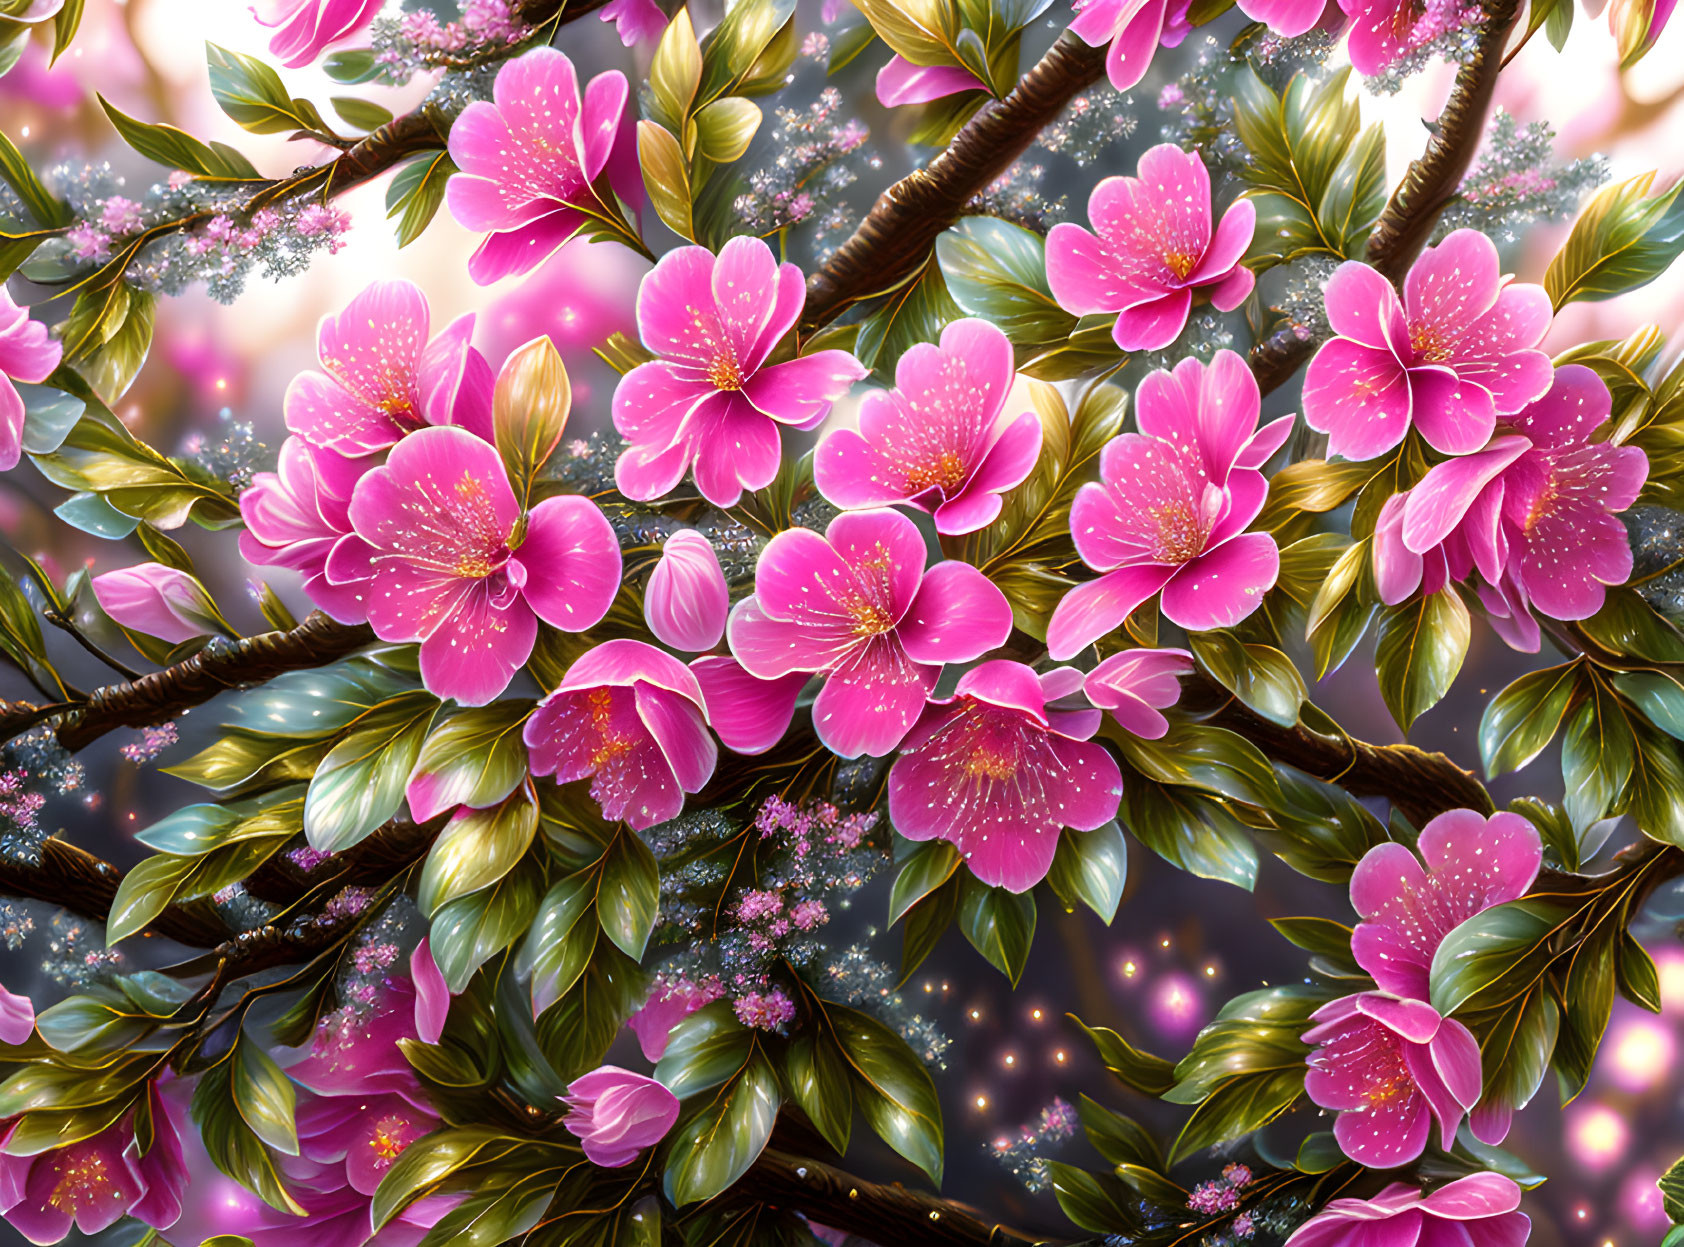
(1529, 496)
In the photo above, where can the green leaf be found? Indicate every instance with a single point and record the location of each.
(725, 1136)
(1139, 1070)
(231, 1143)
(1320, 830)
(666, 176)
(926, 867)
(1516, 1043)
(1658, 696)
(926, 922)
(107, 337)
(359, 785)
(47, 209)
(145, 892)
(1596, 757)
(1317, 935)
(1494, 955)
(415, 193)
(1624, 238)
(176, 149)
(1091, 867)
(1420, 649)
(477, 848)
(742, 49)
(264, 1097)
(892, 1087)
(998, 271)
(675, 72)
(1259, 675)
(529, 411)
(704, 1050)
(1587, 1000)
(252, 94)
(361, 113)
(999, 924)
(470, 930)
(1520, 721)
(816, 1071)
(913, 312)
(562, 938)
(630, 896)
(1120, 1140)
(1657, 777)
(1672, 1190)
(1639, 980)
(475, 757)
(428, 1161)
(725, 128)
(1191, 830)
(1096, 1202)
(351, 65)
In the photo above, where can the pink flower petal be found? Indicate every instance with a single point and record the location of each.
(523, 248)
(801, 391)
(1454, 284)
(1099, 607)
(687, 601)
(958, 615)
(1439, 503)
(750, 715)
(1153, 326)
(1455, 416)
(901, 82)
(1224, 585)
(871, 699)
(432, 997)
(1359, 396)
(573, 562)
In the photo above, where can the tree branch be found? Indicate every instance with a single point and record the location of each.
(76, 880)
(873, 1211)
(1420, 784)
(896, 235)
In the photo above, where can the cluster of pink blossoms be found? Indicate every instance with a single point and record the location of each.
(1385, 1060)
(1529, 496)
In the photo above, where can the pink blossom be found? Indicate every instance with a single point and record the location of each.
(668, 1005)
(99, 1180)
(712, 400)
(1390, 1067)
(1134, 29)
(628, 717)
(901, 82)
(1136, 685)
(297, 514)
(120, 215)
(1154, 246)
(1287, 18)
(159, 601)
(856, 605)
(17, 1017)
(749, 714)
(453, 564)
(616, 1114)
(940, 440)
(1535, 512)
(1457, 351)
(89, 242)
(997, 773)
(635, 21)
(355, 1051)
(432, 994)
(687, 600)
(26, 354)
(530, 158)
(765, 1011)
(309, 27)
(384, 378)
(1384, 32)
(1476, 1211)
(1171, 506)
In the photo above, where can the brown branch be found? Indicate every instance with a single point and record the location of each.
(1419, 783)
(76, 880)
(896, 235)
(891, 1215)
(1431, 182)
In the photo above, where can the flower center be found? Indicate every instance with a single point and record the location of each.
(725, 373)
(1180, 535)
(1181, 263)
(478, 564)
(82, 1176)
(389, 1139)
(991, 760)
(946, 472)
(610, 742)
(1429, 344)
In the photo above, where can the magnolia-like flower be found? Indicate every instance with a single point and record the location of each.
(530, 158)
(97, 1181)
(17, 1017)
(857, 605)
(26, 354)
(616, 1114)
(940, 440)
(628, 717)
(669, 1004)
(635, 21)
(1152, 247)
(1133, 29)
(452, 563)
(1136, 685)
(1535, 512)
(749, 714)
(1390, 1067)
(159, 601)
(1479, 1210)
(687, 600)
(307, 28)
(1457, 351)
(1171, 506)
(1384, 32)
(997, 773)
(298, 513)
(901, 82)
(384, 377)
(712, 400)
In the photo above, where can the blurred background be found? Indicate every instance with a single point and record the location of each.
(1180, 946)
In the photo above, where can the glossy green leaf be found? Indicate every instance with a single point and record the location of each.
(1520, 721)
(926, 866)
(475, 849)
(1141, 1071)
(177, 149)
(476, 757)
(1091, 867)
(470, 930)
(360, 784)
(997, 270)
(561, 940)
(264, 1097)
(415, 193)
(629, 898)
(1489, 958)
(529, 410)
(892, 1088)
(999, 924)
(817, 1074)
(1420, 649)
(252, 94)
(1259, 675)
(1624, 237)
(725, 1135)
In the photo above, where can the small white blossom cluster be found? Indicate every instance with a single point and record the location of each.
(816, 154)
(417, 42)
(1517, 182)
